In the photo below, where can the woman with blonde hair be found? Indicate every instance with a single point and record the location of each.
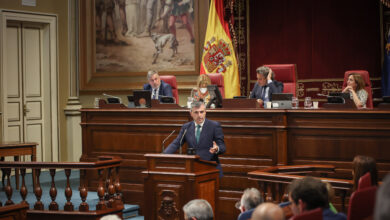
(356, 89)
(201, 93)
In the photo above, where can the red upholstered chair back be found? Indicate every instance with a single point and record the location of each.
(364, 181)
(362, 203)
(367, 83)
(309, 215)
(287, 74)
(171, 80)
(217, 79)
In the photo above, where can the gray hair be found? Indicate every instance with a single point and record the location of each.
(196, 104)
(251, 198)
(110, 217)
(381, 210)
(151, 73)
(199, 209)
(264, 70)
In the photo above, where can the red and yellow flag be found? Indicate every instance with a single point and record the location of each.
(218, 52)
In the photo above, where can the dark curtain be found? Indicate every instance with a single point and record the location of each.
(324, 38)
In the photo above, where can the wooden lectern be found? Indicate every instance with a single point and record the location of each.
(172, 180)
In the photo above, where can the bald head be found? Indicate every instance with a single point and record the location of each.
(268, 211)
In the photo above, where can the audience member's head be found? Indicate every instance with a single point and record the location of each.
(153, 79)
(198, 209)
(262, 75)
(362, 165)
(307, 194)
(110, 217)
(382, 203)
(268, 211)
(250, 199)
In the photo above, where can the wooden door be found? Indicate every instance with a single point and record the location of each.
(26, 83)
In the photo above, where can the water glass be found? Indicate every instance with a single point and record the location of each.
(189, 102)
(315, 105)
(96, 103)
(294, 103)
(307, 103)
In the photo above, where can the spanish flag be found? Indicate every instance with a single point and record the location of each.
(218, 52)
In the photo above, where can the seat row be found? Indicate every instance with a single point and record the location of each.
(286, 73)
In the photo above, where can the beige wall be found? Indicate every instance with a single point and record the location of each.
(60, 9)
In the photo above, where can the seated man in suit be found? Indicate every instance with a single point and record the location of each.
(265, 86)
(157, 87)
(204, 136)
(250, 199)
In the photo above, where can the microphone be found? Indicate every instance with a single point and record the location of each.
(181, 140)
(320, 94)
(166, 140)
(111, 96)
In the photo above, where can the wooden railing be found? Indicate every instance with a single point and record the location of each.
(274, 181)
(108, 189)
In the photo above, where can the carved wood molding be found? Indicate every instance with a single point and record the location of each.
(168, 207)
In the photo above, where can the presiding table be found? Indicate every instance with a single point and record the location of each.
(17, 149)
(255, 139)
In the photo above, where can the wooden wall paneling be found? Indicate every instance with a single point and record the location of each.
(331, 137)
(254, 138)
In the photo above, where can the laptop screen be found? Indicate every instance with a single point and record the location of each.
(142, 98)
(282, 96)
(340, 94)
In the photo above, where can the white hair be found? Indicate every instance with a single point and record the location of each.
(251, 198)
(110, 217)
(199, 209)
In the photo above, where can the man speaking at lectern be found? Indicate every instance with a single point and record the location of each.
(202, 135)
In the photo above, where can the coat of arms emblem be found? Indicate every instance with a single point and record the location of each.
(217, 56)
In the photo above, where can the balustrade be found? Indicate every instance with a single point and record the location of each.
(108, 190)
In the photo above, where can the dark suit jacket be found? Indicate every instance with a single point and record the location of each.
(274, 87)
(165, 89)
(327, 214)
(246, 215)
(211, 131)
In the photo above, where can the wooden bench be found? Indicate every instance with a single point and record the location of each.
(274, 181)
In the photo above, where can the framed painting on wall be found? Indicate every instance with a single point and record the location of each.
(120, 40)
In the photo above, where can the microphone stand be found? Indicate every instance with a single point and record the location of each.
(163, 148)
(111, 96)
(181, 140)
